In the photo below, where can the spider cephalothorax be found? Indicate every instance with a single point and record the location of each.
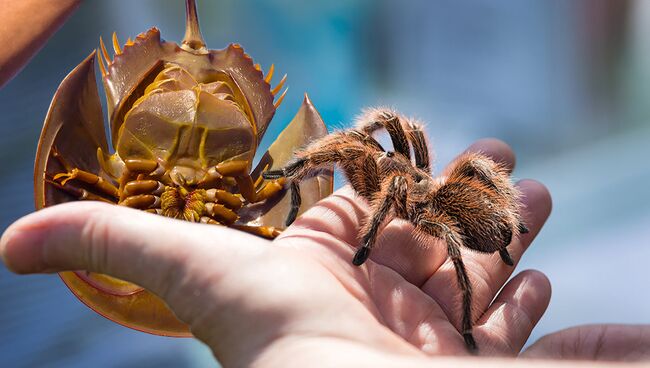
(475, 206)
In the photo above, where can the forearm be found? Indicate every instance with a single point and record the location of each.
(25, 26)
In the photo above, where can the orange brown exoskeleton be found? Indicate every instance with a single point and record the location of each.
(185, 124)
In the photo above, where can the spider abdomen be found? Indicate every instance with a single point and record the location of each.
(485, 218)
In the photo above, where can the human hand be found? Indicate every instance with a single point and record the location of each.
(594, 342)
(299, 298)
(26, 26)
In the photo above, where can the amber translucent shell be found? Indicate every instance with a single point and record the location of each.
(75, 127)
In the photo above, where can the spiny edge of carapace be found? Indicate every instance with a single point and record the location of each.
(105, 60)
(266, 78)
(165, 51)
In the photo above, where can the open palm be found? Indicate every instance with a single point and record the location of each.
(299, 297)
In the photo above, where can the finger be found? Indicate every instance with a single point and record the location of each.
(508, 322)
(487, 273)
(608, 342)
(343, 213)
(125, 243)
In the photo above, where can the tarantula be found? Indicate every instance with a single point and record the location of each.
(475, 206)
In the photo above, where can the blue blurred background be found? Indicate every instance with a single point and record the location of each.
(564, 82)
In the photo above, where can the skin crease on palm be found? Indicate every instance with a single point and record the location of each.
(298, 301)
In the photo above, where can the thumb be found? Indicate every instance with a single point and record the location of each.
(132, 245)
(605, 342)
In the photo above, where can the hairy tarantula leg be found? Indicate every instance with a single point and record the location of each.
(268, 232)
(364, 178)
(392, 124)
(453, 240)
(505, 256)
(420, 147)
(523, 229)
(317, 156)
(366, 139)
(395, 196)
(288, 171)
(274, 174)
(296, 201)
(453, 249)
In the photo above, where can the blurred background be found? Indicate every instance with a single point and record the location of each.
(564, 82)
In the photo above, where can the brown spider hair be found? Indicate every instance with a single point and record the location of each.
(475, 206)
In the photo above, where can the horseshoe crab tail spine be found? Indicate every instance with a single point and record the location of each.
(193, 40)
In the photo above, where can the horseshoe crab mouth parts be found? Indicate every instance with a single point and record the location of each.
(182, 176)
(182, 204)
